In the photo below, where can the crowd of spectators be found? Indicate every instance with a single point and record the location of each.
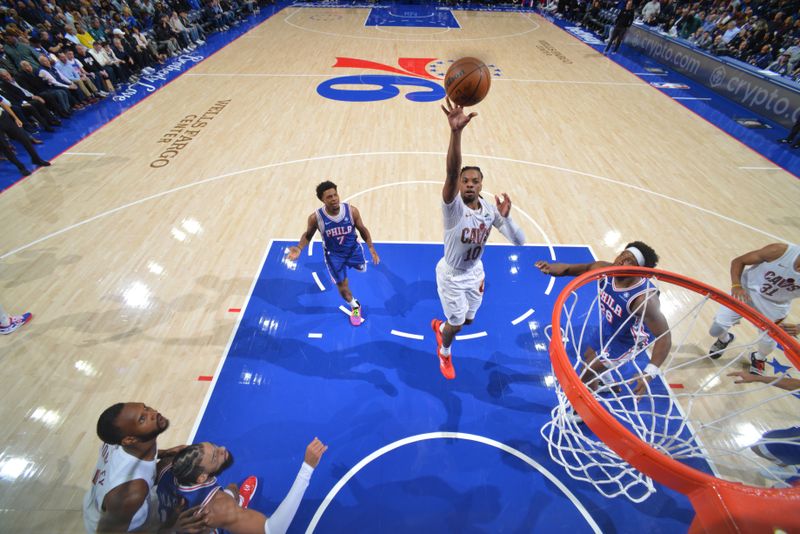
(59, 56)
(763, 33)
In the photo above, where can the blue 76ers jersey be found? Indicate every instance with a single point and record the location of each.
(338, 233)
(616, 310)
(170, 494)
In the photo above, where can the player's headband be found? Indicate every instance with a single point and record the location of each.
(637, 254)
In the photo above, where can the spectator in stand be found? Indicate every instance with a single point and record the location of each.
(36, 46)
(92, 67)
(106, 62)
(71, 35)
(97, 31)
(218, 16)
(5, 61)
(763, 59)
(165, 38)
(130, 20)
(794, 53)
(56, 98)
(650, 12)
(28, 107)
(11, 125)
(19, 51)
(83, 36)
(591, 19)
(146, 47)
(71, 69)
(731, 31)
(53, 46)
(47, 73)
(781, 65)
(32, 105)
(719, 48)
(195, 31)
(126, 62)
(180, 32)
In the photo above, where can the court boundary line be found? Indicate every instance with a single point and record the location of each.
(386, 153)
(449, 435)
(227, 351)
(525, 15)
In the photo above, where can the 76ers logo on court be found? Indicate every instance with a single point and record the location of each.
(375, 87)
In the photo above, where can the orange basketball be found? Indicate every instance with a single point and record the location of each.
(467, 81)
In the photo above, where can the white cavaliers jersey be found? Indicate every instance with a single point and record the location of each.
(115, 467)
(773, 285)
(466, 231)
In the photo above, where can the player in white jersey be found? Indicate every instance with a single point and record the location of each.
(769, 284)
(468, 219)
(120, 497)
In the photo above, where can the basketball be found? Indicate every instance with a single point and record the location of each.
(467, 81)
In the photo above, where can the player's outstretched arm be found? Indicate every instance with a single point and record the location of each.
(365, 235)
(769, 253)
(568, 269)
(457, 120)
(311, 229)
(225, 512)
(504, 223)
(787, 383)
(657, 324)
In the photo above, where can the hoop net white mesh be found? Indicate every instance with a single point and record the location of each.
(694, 412)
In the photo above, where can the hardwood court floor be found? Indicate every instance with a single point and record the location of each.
(130, 270)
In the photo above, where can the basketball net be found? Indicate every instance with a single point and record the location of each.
(693, 429)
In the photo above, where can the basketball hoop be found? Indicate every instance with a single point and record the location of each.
(620, 443)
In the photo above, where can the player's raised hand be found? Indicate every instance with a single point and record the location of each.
(543, 266)
(503, 203)
(456, 116)
(294, 253)
(314, 452)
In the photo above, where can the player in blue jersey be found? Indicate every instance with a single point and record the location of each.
(629, 308)
(337, 222)
(192, 478)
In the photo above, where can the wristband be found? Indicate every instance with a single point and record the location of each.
(652, 371)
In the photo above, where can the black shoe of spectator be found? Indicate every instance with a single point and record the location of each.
(41, 163)
(24, 171)
(796, 145)
(36, 141)
(784, 140)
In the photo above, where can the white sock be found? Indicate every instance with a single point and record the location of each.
(441, 327)
(725, 337)
(445, 351)
(353, 303)
(760, 357)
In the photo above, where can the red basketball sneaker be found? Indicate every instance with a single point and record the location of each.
(445, 362)
(247, 490)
